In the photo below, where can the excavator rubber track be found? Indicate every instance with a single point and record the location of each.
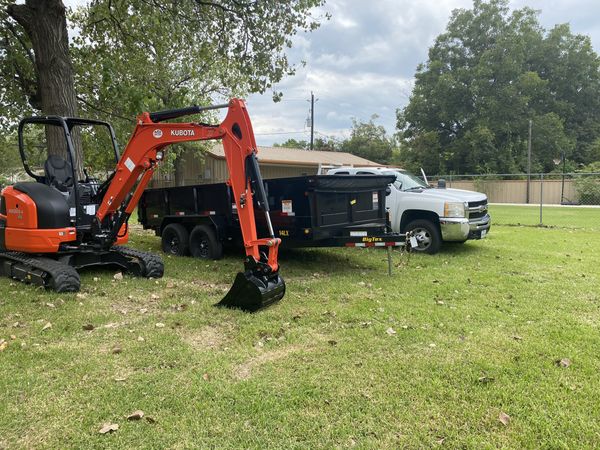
(40, 271)
(144, 264)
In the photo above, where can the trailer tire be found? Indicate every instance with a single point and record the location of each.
(175, 240)
(204, 243)
(428, 236)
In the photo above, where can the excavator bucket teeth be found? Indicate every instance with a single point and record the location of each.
(251, 292)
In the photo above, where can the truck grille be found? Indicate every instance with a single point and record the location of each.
(478, 209)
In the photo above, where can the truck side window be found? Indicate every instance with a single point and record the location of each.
(342, 173)
(364, 173)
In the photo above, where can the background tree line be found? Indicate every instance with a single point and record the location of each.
(487, 75)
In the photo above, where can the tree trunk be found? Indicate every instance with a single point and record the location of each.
(179, 168)
(45, 23)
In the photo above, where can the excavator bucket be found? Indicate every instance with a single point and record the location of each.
(251, 292)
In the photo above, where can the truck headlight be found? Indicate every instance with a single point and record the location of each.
(454, 209)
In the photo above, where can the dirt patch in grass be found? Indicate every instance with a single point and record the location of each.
(211, 337)
(244, 371)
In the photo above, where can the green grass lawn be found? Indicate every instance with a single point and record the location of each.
(554, 216)
(350, 357)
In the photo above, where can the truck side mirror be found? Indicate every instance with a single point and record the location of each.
(388, 190)
(441, 183)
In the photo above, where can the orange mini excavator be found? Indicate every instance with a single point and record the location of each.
(59, 223)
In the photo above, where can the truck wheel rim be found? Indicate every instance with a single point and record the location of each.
(423, 237)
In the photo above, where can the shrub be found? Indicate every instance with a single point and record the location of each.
(588, 190)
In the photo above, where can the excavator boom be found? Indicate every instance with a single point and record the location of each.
(260, 284)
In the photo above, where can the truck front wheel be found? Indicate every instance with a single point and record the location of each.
(175, 239)
(204, 243)
(427, 235)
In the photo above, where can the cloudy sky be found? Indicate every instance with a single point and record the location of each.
(362, 61)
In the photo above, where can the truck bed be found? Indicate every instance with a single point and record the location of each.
(307, 211)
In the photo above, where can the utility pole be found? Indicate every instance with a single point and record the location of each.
(312, 119)
(529, 159)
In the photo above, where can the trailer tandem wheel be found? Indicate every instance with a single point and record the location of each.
(204, 243)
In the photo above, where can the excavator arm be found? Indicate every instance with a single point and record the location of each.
(260, 284)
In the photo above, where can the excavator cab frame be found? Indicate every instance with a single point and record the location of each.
(67, 125)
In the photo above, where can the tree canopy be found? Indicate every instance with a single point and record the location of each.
(149, 55)
(487, 75)
(369, 140)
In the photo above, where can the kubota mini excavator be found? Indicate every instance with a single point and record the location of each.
(59, 223)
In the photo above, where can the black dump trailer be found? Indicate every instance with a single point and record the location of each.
(306, 211)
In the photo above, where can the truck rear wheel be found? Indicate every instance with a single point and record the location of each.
(175, 238)
(427, 234)
(204, 243)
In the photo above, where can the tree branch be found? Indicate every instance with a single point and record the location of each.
(103, 111)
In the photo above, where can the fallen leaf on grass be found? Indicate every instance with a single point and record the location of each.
(390, 331)
(3, 345)
(440, 440)
(504, 418)
(120, 379)
(154, 297)
(160, 325)
(117, 350)
(517, 337)
(109, 428)
(136, 415)
(118, 276)
(50, 305)
(47, 326)
(485, 379)
(565, 362)
(88, 327)
(206, 377)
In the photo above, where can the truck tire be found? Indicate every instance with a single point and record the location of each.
(204, 243)
(175, 240)
(428, 236)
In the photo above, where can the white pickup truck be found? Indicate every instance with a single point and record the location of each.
(434, 215)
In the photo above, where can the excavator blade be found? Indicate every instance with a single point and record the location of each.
(251, 292)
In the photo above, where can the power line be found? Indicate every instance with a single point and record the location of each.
(281, 132)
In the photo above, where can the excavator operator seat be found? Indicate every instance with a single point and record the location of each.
(59, 173)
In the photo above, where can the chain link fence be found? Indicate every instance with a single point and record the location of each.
(566, 200)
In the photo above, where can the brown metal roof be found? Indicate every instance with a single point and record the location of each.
(298, 157)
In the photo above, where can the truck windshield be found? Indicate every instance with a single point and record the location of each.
(406, 181)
